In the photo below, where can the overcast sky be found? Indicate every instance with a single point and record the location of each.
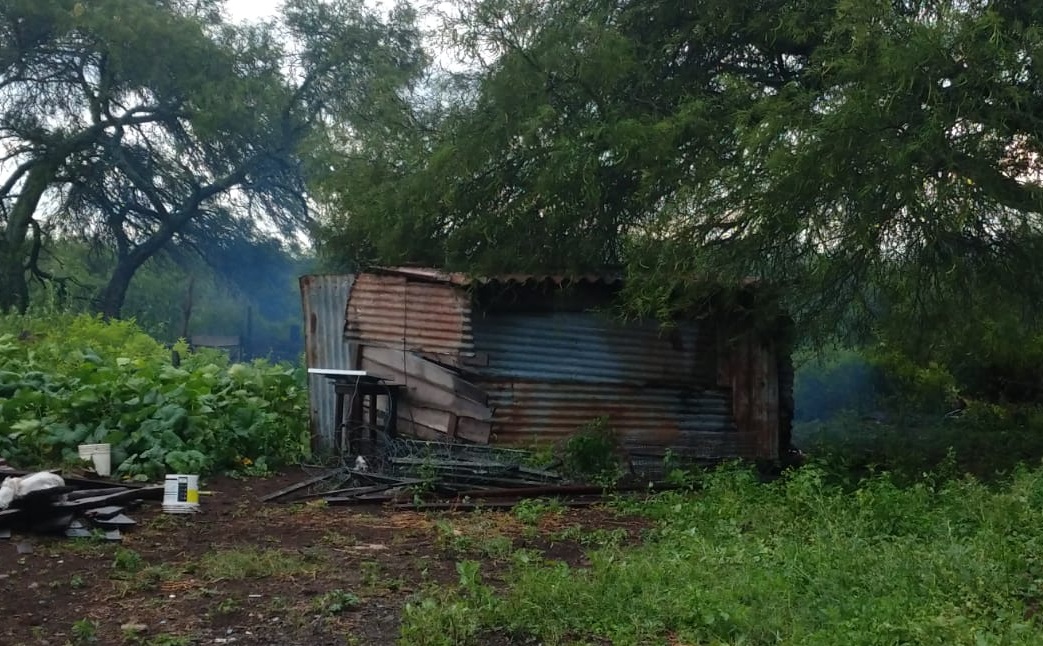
(262, 9)
(251, 9)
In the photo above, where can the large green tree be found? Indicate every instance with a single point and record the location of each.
(849, 150)
(144, 123)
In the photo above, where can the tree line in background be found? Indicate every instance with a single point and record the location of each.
(878, 162)
(153, 131)
(250, 295)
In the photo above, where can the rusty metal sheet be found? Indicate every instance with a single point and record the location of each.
(547, 374)
(648, 420)
(323, 299)
(464, 280)
(573, 347)
(395, 311)
(754, 373)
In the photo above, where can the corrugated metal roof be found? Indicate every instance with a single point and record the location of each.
(587, 348)
(463, 280)
(425, 317)
(323, 299)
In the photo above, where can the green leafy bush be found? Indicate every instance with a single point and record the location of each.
(594, 452)
(904, 384)
(69, 380)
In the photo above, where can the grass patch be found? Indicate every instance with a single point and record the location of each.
(803, 560)
(336, 602)
(84, 547)
(484, 534)
(252, 563)
(533, 510)
(225, 607)
(84, 631)
(375, 581)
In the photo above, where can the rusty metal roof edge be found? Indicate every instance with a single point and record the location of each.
(461, 279)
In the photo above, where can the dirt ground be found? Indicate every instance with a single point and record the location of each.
(246, 572)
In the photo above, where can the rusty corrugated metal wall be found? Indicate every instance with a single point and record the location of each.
(323, 300)
(548, 374)
(690, 390)
(422, 316)
(750, 367)
(589, 348)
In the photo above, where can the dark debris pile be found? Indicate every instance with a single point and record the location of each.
(432, 475)
(84, 507)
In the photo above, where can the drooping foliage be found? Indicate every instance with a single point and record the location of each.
(864, 155)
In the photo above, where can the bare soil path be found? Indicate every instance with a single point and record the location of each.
(246, 572)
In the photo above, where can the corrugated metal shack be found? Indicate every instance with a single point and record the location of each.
(522, 360)
(323, 300)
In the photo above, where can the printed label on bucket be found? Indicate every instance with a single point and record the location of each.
(181, 490)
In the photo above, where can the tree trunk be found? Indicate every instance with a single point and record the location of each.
(14, 288)
(109, 301)
(186, 308)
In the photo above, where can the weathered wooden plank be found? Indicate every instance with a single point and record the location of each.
(10, 516)
(446, 423)
(471, 431)
(145, 493)
(380, 477)
(428, 394)
(417, 367)
(91, 493)
(104, 512)
(350, 492)
(755, 392)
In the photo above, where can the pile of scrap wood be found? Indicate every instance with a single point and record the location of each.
(416, 466)
(461, 477)
(78, 507)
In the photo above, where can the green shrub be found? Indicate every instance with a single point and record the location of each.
(69, 380)
(906, 385)
(593, 452)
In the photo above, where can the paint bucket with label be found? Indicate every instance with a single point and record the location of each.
(98, 454)
(181, 494)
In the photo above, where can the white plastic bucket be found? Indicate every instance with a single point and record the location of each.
(181, 493)
(100, 455)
